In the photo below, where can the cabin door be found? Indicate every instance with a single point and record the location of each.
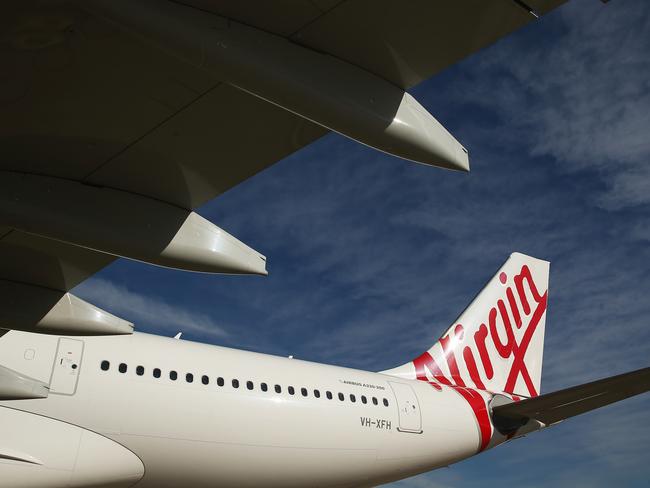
(410, 418)
(67, 364)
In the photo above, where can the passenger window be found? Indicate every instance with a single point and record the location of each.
(189, 377)
(385, 402)
(353, 398)
(291, 390)
(303, 391)
(220, 381)
(374, 401)
(264, 387)
(235, 383)
(328, 394)
(173, 375)
(317, 393)
(156, 373)
(249, 385)
(105, 365)
(205, 380)
(278, 389)
(122, 368)
(139, 370)
(364, 400)
(341, 396)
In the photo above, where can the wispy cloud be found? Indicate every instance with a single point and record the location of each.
(580, 96)
(150, 311)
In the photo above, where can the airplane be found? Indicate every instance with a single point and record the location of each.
(119, 118)
(149, 411)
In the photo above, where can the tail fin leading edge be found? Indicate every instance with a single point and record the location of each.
(497, 342)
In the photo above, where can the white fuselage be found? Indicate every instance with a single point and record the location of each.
(205, 435)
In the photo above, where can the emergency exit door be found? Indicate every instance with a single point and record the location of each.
(410, 417)
(67, 364)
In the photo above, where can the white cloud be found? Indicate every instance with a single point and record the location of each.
(580, 96)
(152, 312)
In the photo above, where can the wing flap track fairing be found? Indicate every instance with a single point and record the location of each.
(321, 88)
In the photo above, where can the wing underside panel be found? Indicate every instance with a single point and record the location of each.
(403, 43)
(93, 106)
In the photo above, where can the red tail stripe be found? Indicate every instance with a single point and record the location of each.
(477, 404)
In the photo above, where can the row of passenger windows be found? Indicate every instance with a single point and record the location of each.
(189, 378)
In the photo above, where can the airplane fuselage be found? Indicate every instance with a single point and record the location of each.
(200, 415)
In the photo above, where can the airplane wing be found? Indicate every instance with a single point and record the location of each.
(403, 42)
(559, 405)
(121, 117)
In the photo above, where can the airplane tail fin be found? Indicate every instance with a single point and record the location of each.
(497, 342)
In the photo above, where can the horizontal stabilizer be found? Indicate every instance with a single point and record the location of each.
(560, 405)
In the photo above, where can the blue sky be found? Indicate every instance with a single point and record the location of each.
(371, 258)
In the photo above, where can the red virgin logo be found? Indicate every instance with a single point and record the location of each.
(520, 308)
